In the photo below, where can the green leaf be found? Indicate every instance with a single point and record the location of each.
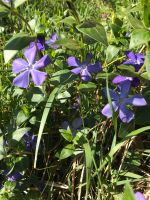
(135, 23)
(69, 43)
(116, 27)
(147, 61)
(2, 150)
(129, 68)
(69, 20)
(36, 95)
(21, 117)
(15, 44)
(19, 133)
(67, 151)
(111, 52)
(44, 118)
(146, 14)
(3, 11)
(18, 3)
(128, 193)
(139, 37)
(66, 134)
(63, 96)
(62, 77)
(94, 30)
(103, 75)
(86, 87)
(145, 76)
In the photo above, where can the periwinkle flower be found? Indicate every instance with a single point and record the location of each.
(121, 101)
(84, 68)
(134, 80)
(30, 141)
(30, 67)
(139, 196)
(13, 176)
(41, 43)
(136, 60)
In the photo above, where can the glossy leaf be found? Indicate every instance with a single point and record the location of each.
(19, 133)
(94, 30)
(147, 61)
(67, 151)
(18, 3)
(87, 86)
(111, 52)
(15, 44)
(128, 193)
(139, 37)
(2, 149)
(68, 43)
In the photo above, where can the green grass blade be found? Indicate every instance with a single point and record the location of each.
(43, 120)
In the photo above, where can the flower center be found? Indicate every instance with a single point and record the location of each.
(121, 100)
(30, 67)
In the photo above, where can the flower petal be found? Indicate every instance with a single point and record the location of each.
(124, 88)
(85, 75)
(114, 96)
(22, 80)
(140, 58)
(76, 70)
(38, 77)
(136, 100)
(73, 61)
(107, 110)
(43, 62)
(95, 68)
(125, 114)
(139, 196)
(119, 79)
(135, 82)
(30, 53)
(130, 55)
(77, 122)
(40, 42)
(128, 62)
(53, 39)
(19, 65)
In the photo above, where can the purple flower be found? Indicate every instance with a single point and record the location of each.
(120, 101)
(127, 34)
(134, 80)
(41, 41)
(30, 67)
(136, 60)
(139, 196)
(84, 68)
(14, 176)
(6, 1)
(30, 141)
